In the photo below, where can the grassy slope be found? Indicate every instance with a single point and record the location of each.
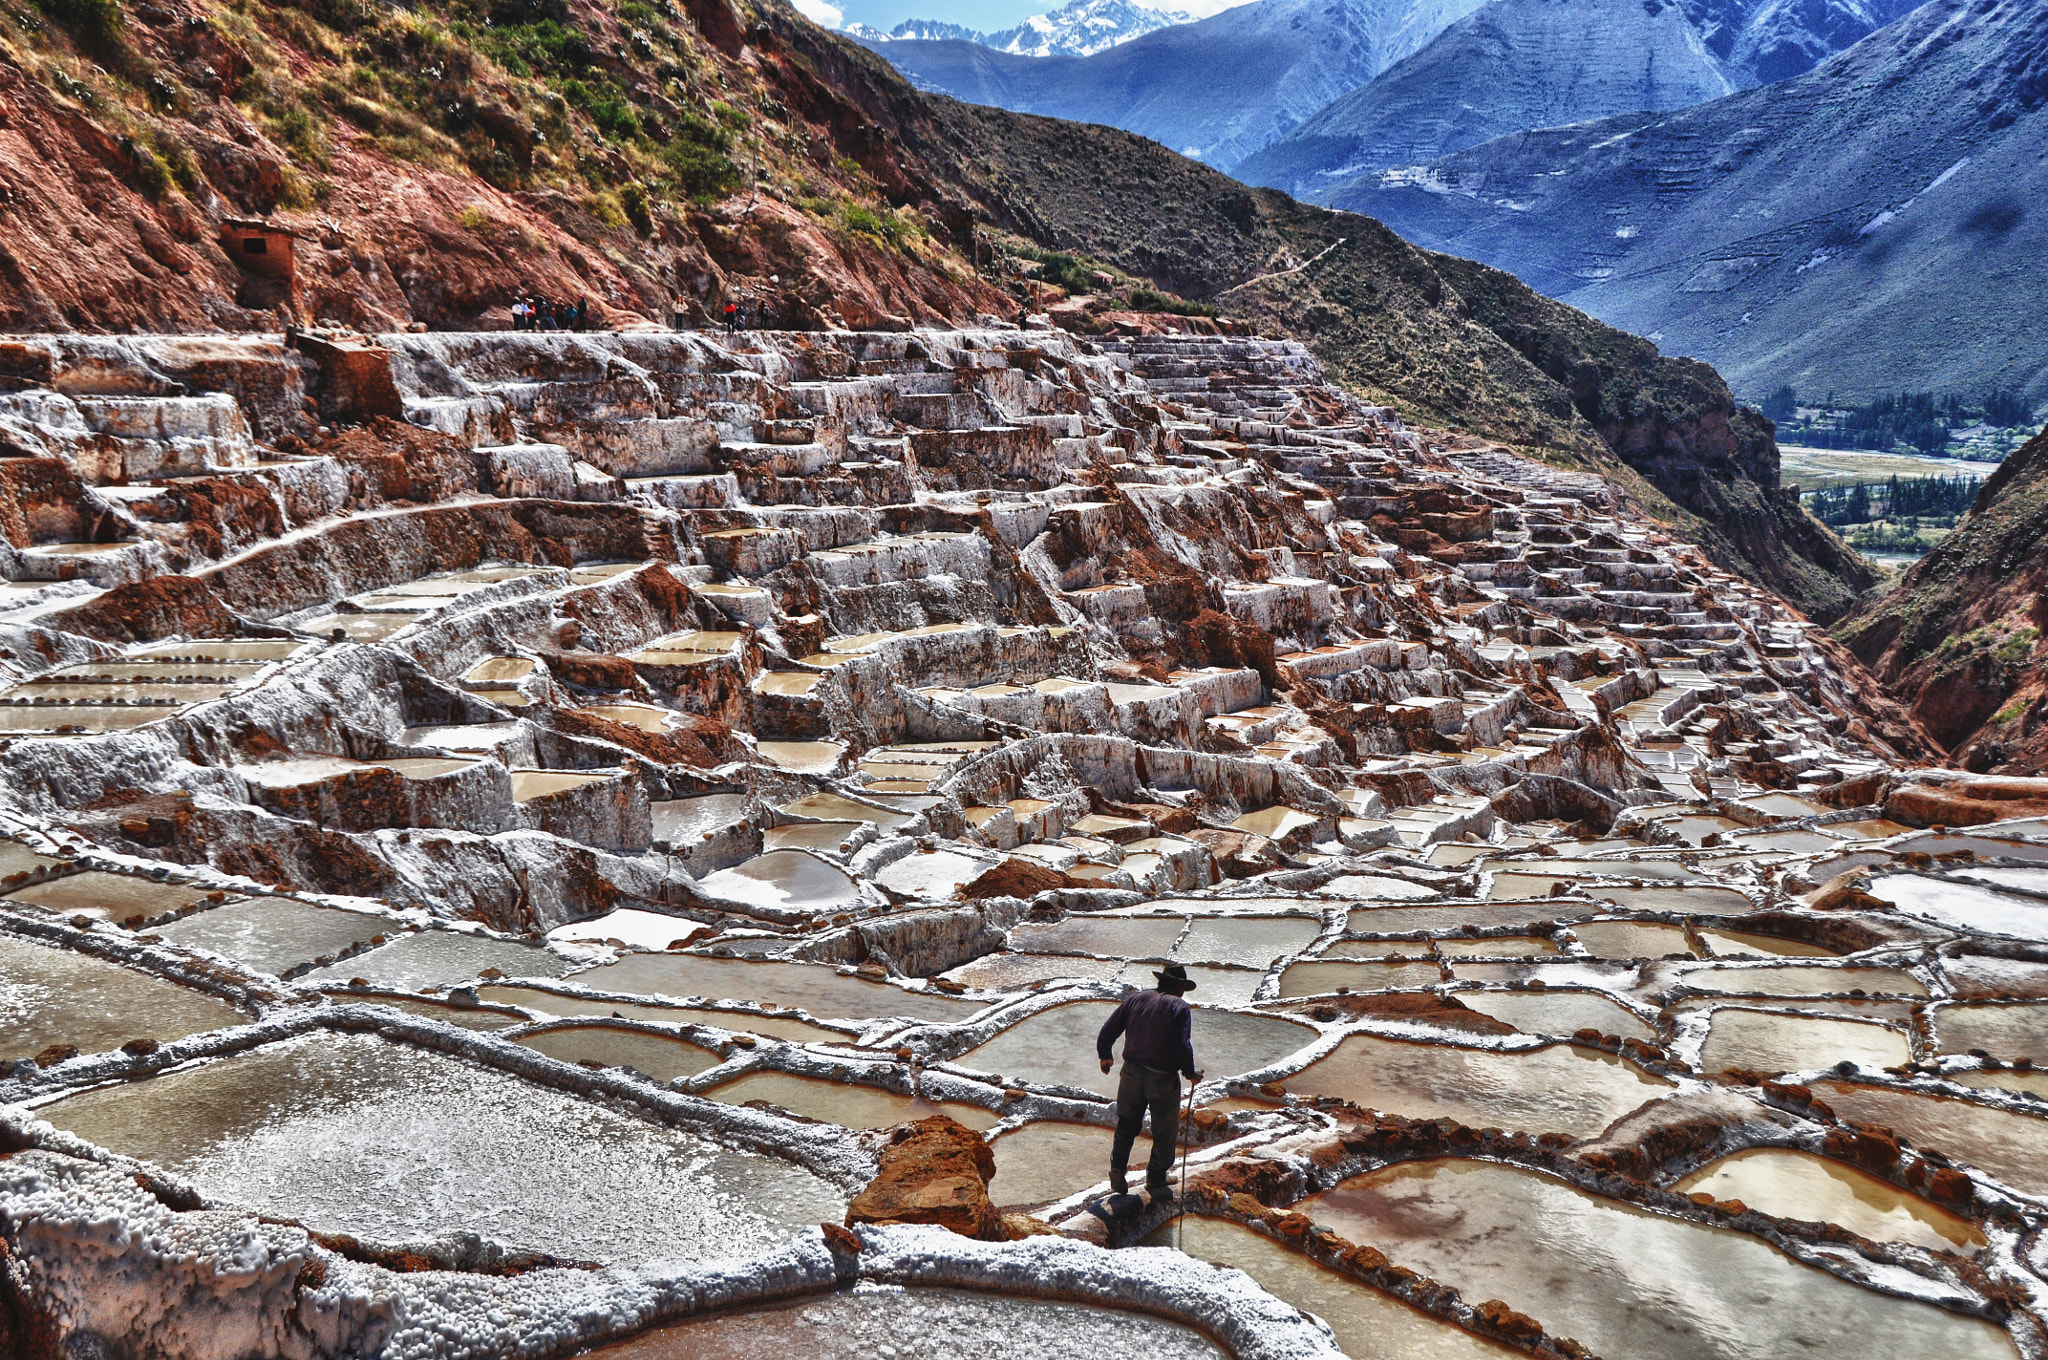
(442, 158)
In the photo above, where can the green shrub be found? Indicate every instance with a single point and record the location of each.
(151, 173)
(1150, 300)
(697, 156)
(633, 198)
(97, 22)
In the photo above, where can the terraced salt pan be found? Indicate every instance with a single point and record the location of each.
(441, 958)
(1559, 1012)
(1632, 939)
(1556, 1089)
(830, 837)
(681, 820)
(934, 877)
(856, 1107)
(833, 807)
(1699, 900)
(82, 717)
(1798, 981)
(1376, 949)
(563, 1004)
(653, 1055)
(873, 1323)
(1049, 1160)
(1623, 1282)
(1366, 1322)
(2012, 1147)
(2006, 1032)
(1451, 920)
(1726, 943)
(1497, 947)
(783, 884)
(816, 988)
(481, 1018)
(1965, 906)
(634, 928)
(1056, 1047)
(1005, 971)
(1113, 937)
(349, 1133)
(1253, 942)
(274, 934)
(109, 897)
(1318, 979)
(1812, 1189)
(1757, 1041)
(58, 996)
(1377, 888)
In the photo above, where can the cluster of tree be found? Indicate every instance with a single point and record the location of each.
(1911, 498)
(1917, 420)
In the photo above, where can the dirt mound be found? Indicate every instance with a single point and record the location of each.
(146, 611)
(933, 1171)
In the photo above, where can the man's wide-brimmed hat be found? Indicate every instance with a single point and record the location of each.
(1174, 979)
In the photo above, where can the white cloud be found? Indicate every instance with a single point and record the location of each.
(820, 12)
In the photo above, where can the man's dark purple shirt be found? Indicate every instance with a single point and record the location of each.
(1158, 1032)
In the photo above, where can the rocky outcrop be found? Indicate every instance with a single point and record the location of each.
(933, 1171)
(1960, 637)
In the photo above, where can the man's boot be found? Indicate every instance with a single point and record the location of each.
(1159, 1193)
(1117, 1184)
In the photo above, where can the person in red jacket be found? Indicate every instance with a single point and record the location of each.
(1159, 1048)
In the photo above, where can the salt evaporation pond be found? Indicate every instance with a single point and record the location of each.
(2006, 1032)
(813, 987)
(1004, 971)
(1254, 941)
(843, 1103)
(1813, 1189)
(1368, 1324)
(655, 1055)
(1555, 1089)
(1736, 942)
(56, 996)
(1632, 939)
(1559, 1012)
(1757, 1041)
(1627, 1284)
(783, 883)
(1798, 981)
(1376, 949)
(1056, 1047)
(1049, 1160)
(275, 934)
(1497, 947)
(351, 1133)
(1966, 906)
(1120, 938)
(1451, 920)
(481, 1018)
(441, 958)
(564, 1004)
(883, 1323)
(1319, 979)
(2012, 1147)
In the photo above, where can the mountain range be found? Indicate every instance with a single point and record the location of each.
(1517, 64)
(1216, 90)
(1870, 225)
(1080, 29)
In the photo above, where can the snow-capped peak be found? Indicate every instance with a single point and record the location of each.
(1077, 30)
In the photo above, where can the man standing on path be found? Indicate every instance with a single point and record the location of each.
(1159, 1049)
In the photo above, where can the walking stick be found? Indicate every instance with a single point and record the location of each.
(1180, 1222)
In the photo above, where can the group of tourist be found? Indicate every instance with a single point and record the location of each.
(538, 314)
